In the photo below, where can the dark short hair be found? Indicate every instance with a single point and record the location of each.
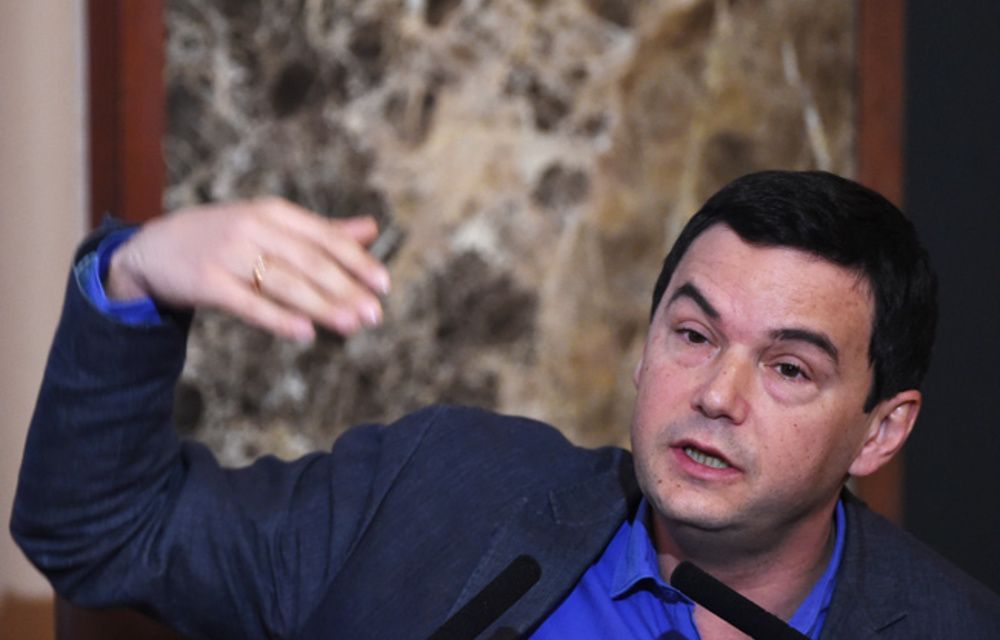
(850, 225)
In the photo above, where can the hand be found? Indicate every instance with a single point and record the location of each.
(316, 270)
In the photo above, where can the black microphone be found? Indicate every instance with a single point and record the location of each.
(490, 603)
(729, 605)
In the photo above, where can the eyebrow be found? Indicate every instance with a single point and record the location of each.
(688, 290)
(810, 337)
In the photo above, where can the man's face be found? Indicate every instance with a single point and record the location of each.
(751, 388)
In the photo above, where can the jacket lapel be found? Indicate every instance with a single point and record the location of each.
(868, 594)
(565, 530)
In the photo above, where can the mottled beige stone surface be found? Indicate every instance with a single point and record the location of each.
(538, 157)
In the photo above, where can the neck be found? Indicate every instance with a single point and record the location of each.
(775, 571)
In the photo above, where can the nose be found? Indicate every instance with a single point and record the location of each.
(723, 393)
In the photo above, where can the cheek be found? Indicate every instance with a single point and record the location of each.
(647, 453)
(658, 396)
(642, 422)
(661, 400)
(822, 449)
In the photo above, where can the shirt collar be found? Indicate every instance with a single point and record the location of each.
(637, 566)
(637, 561)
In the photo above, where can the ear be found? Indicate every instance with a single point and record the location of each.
(890, 424)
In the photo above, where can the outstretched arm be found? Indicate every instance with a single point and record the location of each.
(116, 510)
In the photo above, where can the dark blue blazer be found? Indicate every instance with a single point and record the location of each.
(386, 536)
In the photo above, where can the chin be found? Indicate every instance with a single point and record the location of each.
(696, 512)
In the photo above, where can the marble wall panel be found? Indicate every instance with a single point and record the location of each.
(529, 161)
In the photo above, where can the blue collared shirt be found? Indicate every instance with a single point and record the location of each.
(623, 596)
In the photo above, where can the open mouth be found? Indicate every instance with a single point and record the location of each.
(706, 459)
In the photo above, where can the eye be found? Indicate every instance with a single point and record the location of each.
(791, 371)
(692, 336)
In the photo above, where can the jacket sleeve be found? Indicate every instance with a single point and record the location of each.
(115, 509)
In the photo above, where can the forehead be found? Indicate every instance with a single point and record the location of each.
(775, 287)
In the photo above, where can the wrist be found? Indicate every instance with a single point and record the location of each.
(119, 280)
(92, 272)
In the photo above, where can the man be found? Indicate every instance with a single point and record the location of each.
(792, 325)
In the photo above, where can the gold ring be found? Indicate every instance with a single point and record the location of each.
(259, 271)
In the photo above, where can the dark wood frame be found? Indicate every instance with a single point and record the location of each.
(127, 108)
(880, 147)
(127, 120)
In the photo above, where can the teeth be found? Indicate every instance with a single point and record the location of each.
(703, 458)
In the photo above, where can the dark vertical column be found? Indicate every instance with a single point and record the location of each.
(953, 195)
(102, 56)
(880, 166)
(127, 107)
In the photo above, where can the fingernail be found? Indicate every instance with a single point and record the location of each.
(384, 284)
(371, 316)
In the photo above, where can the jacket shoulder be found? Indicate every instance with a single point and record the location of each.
(498, 445)
(902, 588)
